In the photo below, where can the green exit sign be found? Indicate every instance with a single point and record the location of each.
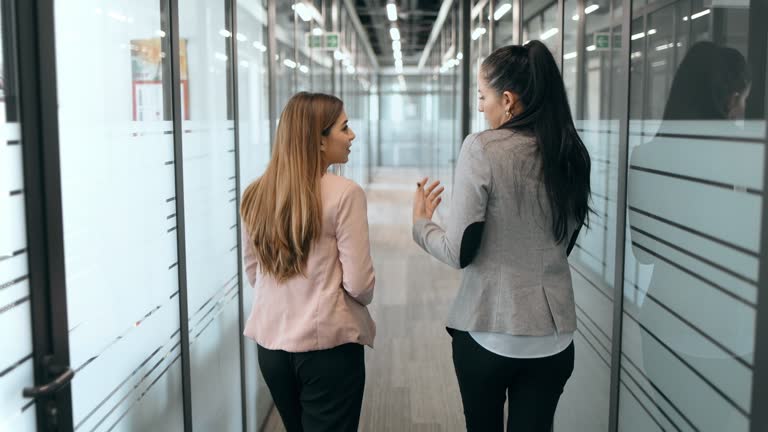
(602, 41)
(323, 41)
(331, 41)
(315, 41)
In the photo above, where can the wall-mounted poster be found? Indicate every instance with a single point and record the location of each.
(147, 72)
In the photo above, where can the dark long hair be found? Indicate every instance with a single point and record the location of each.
(705, 81)
(530, 71)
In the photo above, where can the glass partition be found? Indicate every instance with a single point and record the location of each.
(16, 361)
(210, 206)
(119, 215)
(694, 197)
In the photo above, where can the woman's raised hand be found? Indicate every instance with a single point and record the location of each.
(426, 199)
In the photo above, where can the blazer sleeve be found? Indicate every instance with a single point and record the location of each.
(457, 243)
(358, 277)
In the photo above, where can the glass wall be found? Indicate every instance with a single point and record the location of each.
(694, 198)
(210, 206)
(16, 361)
(694, 148)
(253, 134)
(542, 22)
(118, 192)
(285, 57)
(480, 49)
(592, 76)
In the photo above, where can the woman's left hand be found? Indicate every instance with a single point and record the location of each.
(426, 200)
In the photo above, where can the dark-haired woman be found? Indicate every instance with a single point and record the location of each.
(521, 191)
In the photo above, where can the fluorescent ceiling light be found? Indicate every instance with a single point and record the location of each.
(221, 56)
(241, 37)
(396, 45)
(571, 55)
(459, 56)
(394, 32)
(398, 55)
(651, 32)
(317, 31)
(304, 12)
(549, 33)
(225, 33)
(700, 14)
(478, 32)
(590, 9)
(637, 36)
(575, 17)
(290, 63)
(501, 11)
(392, 12)
(304, 68)
(591, 48)
(259, 46)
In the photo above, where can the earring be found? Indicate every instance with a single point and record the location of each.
(506, 113)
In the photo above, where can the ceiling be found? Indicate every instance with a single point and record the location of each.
(415, 20)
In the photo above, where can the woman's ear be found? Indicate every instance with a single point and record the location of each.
(322, 143)
(509, 101)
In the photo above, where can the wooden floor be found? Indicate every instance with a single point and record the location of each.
(410, 383)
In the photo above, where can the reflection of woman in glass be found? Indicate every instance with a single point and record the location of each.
(307, 255)
(521, 190)
(709, 88)
(712, 83)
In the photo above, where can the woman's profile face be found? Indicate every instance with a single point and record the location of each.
(489, 102)
(335, 147)
(498, 108)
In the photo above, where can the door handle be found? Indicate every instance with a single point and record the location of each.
(50, 388)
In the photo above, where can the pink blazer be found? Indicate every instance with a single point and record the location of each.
(327, 307)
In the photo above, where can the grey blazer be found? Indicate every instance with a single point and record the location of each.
(518, 282)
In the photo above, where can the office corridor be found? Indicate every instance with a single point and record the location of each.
(410, 383)
(131, 129)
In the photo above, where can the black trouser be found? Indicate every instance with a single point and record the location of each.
(318, 390)
(533, 386)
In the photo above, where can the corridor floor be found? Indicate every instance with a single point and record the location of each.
(410, 384)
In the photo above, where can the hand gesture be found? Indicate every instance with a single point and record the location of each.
(426, 199)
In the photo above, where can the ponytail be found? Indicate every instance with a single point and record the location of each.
(532, 73)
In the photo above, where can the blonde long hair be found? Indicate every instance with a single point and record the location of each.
(282, 210)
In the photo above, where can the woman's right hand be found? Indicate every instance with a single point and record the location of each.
(426, 200)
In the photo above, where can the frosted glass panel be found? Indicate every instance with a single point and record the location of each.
(253, 91)
(16, 357)
(210, 200)
(118, 189)
(596, 113)
(694, 203)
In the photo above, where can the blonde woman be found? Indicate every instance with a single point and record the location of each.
(307, 256)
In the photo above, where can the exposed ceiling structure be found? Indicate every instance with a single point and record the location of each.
(415, 19)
